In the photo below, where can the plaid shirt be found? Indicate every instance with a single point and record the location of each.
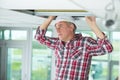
(74, 58)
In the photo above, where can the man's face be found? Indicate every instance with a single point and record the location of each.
(64, 30)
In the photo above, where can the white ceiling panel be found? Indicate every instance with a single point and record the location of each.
(37, 4)
(95, 7)
(14, 17)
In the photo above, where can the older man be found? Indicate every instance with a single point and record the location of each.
(73, 51)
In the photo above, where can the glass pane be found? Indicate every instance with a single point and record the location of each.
(18, 35)
(34, 31)
(15, 35)
(1, 34)
(41, 64)
(102, 57)
(14, 64)
(41, 60)
(116, 45)
(0, 61)
(99, 70)
(7, 34)
(115, 72)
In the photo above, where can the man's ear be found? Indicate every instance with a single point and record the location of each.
(72, 27)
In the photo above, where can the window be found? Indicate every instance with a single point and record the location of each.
(1, 33)
(103, 67)
(115, 72)
(115, 54)
(116, 45)
(18, 35)
(6, 34)
(14, 64)
(13, 34)
(99, 70)
(0, 61)
(41, 60)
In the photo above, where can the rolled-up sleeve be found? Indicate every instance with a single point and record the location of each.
(99, 46)
(41, 38)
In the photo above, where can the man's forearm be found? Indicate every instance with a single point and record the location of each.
(46, 23)
(91, 20)
(98, 32)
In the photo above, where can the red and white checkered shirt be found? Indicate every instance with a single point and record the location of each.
(74, 58)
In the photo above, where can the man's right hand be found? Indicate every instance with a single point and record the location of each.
(46, 23)
(52, 17)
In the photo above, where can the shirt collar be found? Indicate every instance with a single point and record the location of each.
(76, 37)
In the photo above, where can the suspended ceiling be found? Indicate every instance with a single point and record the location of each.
(28, 12)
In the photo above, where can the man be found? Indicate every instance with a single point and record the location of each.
(73, 51)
